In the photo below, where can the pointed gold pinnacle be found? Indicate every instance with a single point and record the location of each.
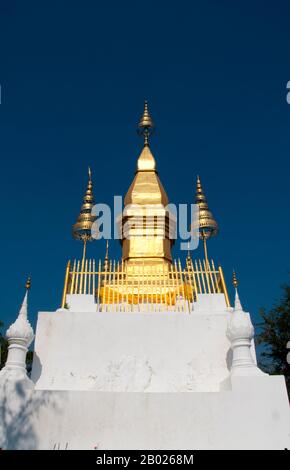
(208, 227)
(106, 260)
(206, 224)
(28, 283)
(82, 227)
(146, 125)
(235, 280)
(188, 260)
(145, 120)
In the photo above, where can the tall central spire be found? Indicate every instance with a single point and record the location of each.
(145, 222)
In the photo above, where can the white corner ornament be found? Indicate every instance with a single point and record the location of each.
(240, 332)
(19, 335)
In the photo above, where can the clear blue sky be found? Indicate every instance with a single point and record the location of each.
(74, 76)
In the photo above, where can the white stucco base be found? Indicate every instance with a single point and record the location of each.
(142, 380)
(253, 414)
(138, 352)
(133, 352)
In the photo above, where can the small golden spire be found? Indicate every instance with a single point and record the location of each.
(188, 260)
(208, 227)
(82, 228)
(146, 161)
(106, 260)
(28, 283)
(146, 125)
(235, 280)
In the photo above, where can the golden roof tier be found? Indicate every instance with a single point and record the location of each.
(147, 226)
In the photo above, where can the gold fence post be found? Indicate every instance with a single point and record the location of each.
(225, 291)
(177, 303)
(73, 275)
(89, 276)
(198, 275)
(98, 283)
(63, 301)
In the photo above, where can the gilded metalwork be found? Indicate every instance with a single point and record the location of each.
(174, 288)
(208, 226)
(82, 228)
(106, 264)
(147, 277)
(65, 288)
(147, 227)
(224, 287)
(235, 280)
(146, 125)
(28, 283)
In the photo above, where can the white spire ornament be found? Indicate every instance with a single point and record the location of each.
(238, 305)
(19, 335)
(240, 332)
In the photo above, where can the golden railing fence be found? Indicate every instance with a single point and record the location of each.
(120, 286)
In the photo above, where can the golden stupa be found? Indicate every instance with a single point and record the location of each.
(147, 225)
(146, 275)
(147, 230)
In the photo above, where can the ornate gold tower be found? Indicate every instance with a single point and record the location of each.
(147, 225)
(146, 277)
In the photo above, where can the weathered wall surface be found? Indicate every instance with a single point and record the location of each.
(253, 414)
(156, 352)
(140, 381)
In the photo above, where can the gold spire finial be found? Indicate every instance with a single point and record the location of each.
(146, 125)
(188, 260)
(207, 225)
(235, 280)
(106, 260)
(146, 161)
(28, 283)
(82, 228)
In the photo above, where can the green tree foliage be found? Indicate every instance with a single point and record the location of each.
(274, 337)
(3, 346)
